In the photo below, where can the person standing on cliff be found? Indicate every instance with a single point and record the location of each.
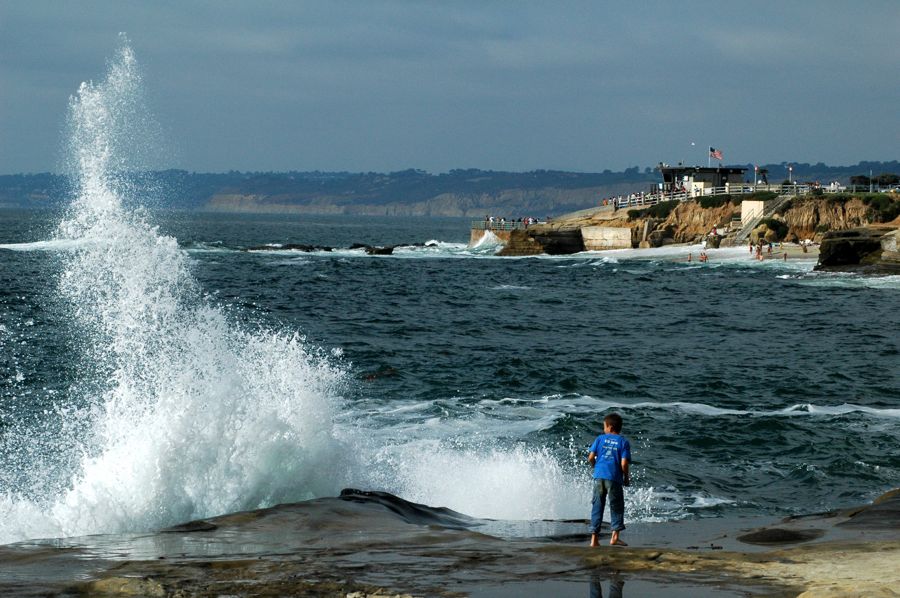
(610, 456)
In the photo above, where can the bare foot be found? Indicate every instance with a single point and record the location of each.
(617, 542)
(594, 542)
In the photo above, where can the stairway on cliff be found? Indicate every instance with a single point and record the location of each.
(741, 235)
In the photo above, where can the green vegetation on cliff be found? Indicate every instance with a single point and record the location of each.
(660, 210)
(882, 207)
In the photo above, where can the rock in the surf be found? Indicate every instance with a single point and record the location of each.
(865, 249)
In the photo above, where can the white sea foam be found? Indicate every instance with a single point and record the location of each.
(851, 281)
(843, 409)
(513, 482)
(510, 287)
(489, 239)
(459, 461)
(208, 248)
(54, 245)
(655, 504)
(582, 404)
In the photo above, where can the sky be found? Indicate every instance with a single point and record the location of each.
(378, 85)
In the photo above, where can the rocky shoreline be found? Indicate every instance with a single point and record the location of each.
(369, 249)
(867, 250)
(375, 544)
(852, 236)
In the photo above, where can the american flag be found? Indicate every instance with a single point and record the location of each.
(714, 153)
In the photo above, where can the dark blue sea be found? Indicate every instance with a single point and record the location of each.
(154, 370)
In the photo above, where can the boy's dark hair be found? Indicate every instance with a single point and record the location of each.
(614, 421)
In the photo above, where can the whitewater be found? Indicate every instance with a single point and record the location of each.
(181, 412)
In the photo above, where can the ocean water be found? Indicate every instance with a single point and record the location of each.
(153, 370)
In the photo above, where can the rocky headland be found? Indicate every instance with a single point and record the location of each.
(794, 219)
(868, 250)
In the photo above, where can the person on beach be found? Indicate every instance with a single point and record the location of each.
(610, 456)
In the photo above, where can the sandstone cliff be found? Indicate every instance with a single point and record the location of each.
(689, 222)
(808, 217)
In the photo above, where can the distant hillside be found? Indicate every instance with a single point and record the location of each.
(469, 192)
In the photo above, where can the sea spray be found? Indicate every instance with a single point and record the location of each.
(180, 411)
(493, 481)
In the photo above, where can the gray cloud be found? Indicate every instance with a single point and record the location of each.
(438, 85)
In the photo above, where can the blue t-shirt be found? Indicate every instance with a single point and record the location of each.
(610, 450)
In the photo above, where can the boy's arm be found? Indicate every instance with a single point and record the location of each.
(592, 458)
(626, 478)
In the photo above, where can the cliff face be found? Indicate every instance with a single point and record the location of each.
(689, 222)
(810, 216)
(806, 218)
(869, 250)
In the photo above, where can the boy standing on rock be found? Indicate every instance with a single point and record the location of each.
(610, 455)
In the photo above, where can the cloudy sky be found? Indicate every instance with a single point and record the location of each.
(508, 85)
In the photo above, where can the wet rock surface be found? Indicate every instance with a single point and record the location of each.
(777, 536)
(866, 250)
(374, 543)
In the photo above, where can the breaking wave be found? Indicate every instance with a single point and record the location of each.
(180, 412)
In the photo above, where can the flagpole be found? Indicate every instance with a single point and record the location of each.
(709, 156)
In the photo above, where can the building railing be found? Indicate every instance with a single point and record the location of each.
(498, 225)
(649, 199)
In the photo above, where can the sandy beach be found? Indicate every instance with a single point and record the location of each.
(794, 251)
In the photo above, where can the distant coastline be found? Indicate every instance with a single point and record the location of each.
(470, 193)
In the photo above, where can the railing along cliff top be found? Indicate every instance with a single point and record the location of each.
(796, 189)
(495, 225)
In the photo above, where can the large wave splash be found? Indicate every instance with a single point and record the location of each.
(180, 410)
(184, 412)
